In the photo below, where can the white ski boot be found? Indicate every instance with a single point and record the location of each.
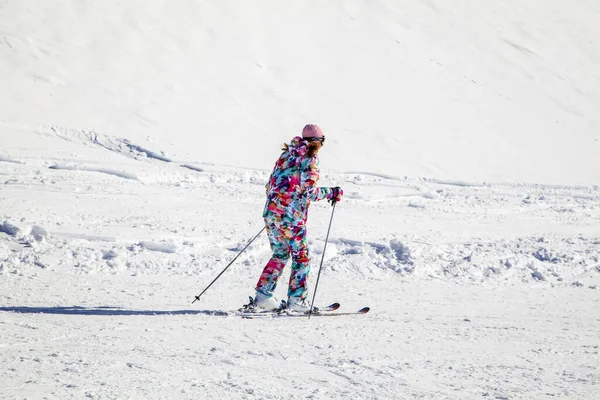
(266, 302)
(298, 305)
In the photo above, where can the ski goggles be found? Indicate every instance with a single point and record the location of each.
(316, 139)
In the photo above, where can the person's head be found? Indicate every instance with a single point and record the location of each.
(315, 137)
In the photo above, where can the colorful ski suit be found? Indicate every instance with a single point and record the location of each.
(291, 188)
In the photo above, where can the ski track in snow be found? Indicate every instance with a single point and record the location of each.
(119, 174)
(8, 160)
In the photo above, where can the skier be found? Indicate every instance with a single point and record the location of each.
(290, 189)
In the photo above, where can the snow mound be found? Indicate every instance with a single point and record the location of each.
(9, 229)
(141, 151)
(393, 256)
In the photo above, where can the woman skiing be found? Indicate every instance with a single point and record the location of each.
(290, 190)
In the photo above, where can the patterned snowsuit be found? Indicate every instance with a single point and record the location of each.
(291, 188)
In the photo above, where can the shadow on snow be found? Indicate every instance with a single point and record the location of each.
(112, 311)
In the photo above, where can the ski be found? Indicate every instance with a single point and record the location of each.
(320, 313)
(251, 307)
(250, 312)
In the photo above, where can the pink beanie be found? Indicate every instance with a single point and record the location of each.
(311, 130)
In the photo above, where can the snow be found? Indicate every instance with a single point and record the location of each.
(135, 142)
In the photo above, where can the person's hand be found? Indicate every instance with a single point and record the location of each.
(335, 195)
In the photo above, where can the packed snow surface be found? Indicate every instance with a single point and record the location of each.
(135, 142)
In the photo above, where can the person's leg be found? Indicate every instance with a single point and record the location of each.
(281, 253)
(298, 286)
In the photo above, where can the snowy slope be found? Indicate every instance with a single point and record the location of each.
(135, 141)
(501, 91)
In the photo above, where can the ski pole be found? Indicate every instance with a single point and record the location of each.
(232, 261)
(322, 258)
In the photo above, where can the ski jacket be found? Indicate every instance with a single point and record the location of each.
(292, 186)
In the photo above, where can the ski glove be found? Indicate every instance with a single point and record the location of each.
(335, 195)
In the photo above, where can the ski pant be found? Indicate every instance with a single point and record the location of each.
(286, 241)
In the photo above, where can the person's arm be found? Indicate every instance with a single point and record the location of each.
(309, 175)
